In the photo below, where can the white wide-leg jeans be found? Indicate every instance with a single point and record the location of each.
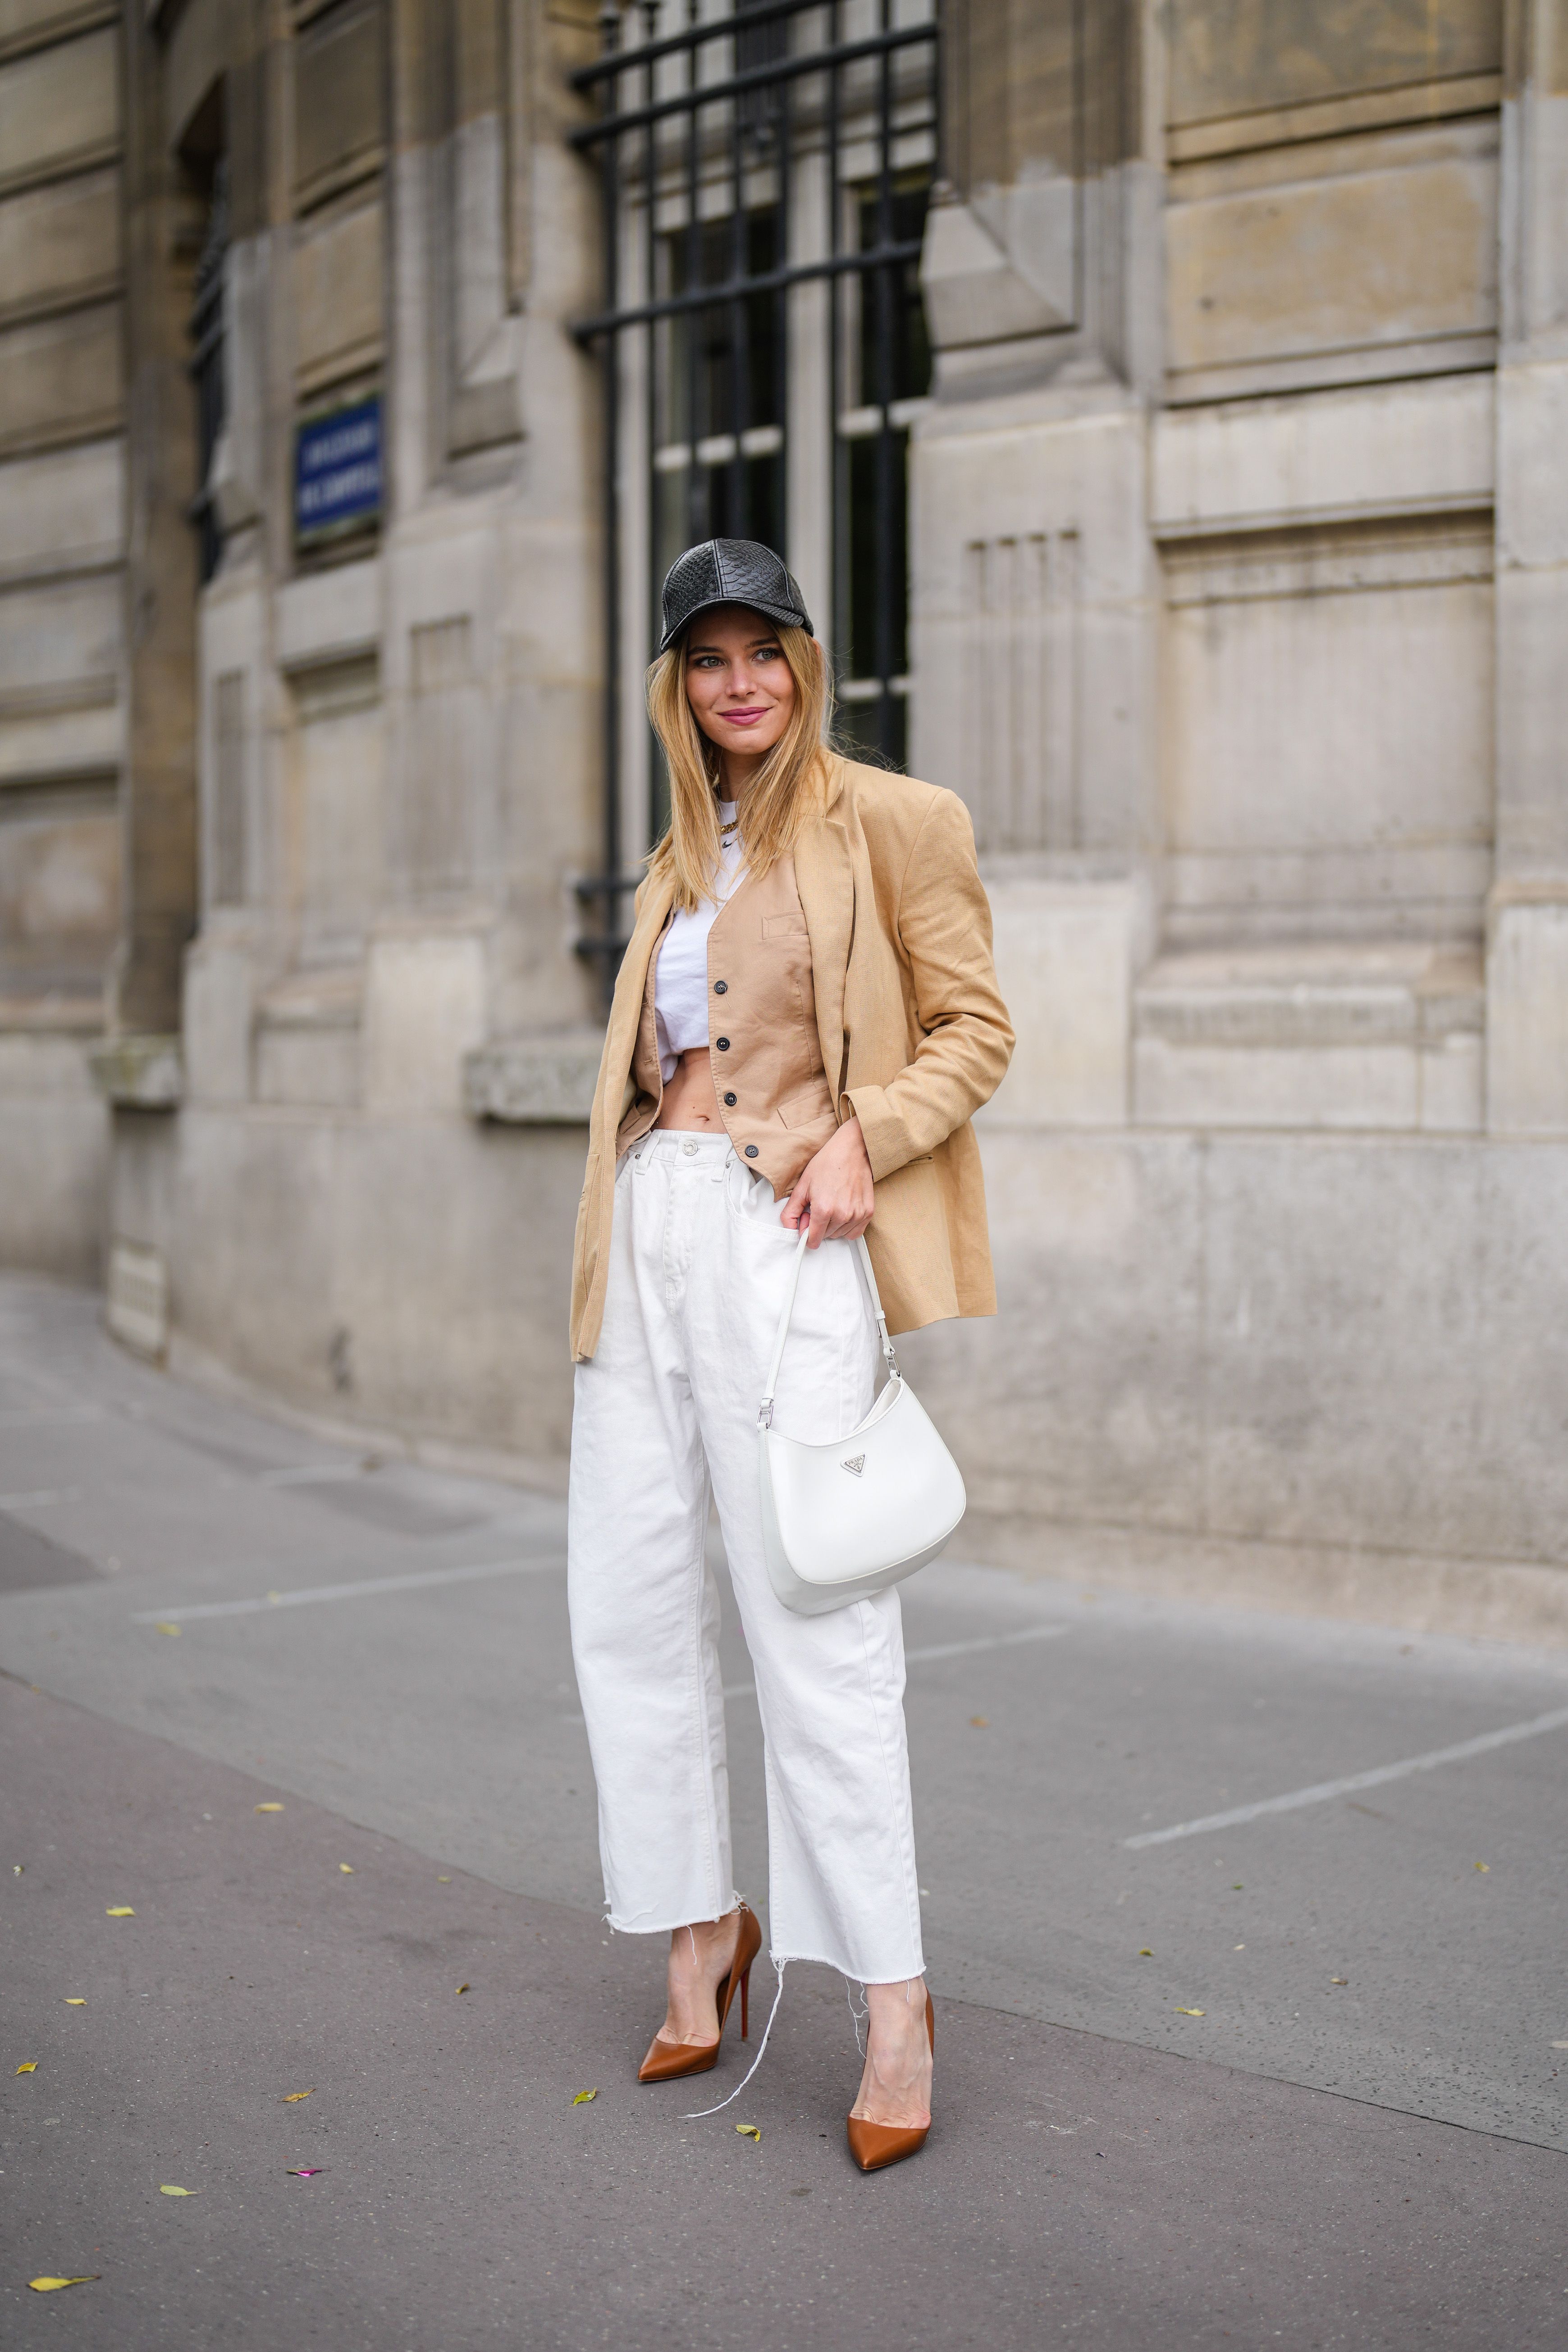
(664, 1413)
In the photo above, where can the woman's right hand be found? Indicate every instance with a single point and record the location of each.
(834, 1194)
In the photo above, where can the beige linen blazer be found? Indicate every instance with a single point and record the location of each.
(914, 1036)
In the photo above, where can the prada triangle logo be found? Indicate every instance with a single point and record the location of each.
(856, 1464)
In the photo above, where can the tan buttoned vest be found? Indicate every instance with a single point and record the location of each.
(762, 1041)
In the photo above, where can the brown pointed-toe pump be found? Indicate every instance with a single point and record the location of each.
(874, 2144)
(667, 2061)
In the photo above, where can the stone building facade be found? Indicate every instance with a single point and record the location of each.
(1182, 477)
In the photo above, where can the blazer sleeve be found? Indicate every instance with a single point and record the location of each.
(944, 932)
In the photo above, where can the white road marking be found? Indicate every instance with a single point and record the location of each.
(362, 1589)
(987, 1641)
(938, 1650)
(1323, 1791)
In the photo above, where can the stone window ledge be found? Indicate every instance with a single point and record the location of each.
(546, 1079)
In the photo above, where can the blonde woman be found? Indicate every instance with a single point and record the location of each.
(804, 1021)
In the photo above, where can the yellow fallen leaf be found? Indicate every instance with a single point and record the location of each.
(347, 1868)
(1239, 1947)
(749, 2131)
(166, 1629)
(462, 1988)
(168, 2190)
(443, 1882)
(119, 1911)
(29, 2066)
(1483, 1866)
(583, 2097)
(1339, 1980)
(269, 1807)
(980, 1723)
(75, 2001)
(1145, 1954)
(291, 2097)
(1188, 2012)
(48, 2285)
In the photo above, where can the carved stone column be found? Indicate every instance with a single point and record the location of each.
(159, 790)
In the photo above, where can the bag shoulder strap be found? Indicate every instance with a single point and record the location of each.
(766, 1410)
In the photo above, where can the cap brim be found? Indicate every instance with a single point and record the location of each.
(787, 616)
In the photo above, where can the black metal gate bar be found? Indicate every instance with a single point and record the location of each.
(715, 310)
(207, 367)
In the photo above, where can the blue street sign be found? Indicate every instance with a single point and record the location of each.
(337, 468)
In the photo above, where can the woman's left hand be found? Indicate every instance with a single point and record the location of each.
(834, 1192)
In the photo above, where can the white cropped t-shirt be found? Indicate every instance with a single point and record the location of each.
(681, 975)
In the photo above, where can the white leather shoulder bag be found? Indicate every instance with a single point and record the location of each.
(844, 1519)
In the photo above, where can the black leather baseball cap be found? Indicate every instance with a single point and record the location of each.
(730, 572)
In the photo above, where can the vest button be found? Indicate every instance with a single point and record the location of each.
(722, 1044)
(750, 1150)
(720, 988)
(731, 1100)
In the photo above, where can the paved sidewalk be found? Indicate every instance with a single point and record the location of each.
(1187, 2083)
(1076, 2191)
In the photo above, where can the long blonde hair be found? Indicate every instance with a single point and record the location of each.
(775, 800)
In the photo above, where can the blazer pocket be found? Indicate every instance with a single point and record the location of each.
(810, 1108)
(784, 927)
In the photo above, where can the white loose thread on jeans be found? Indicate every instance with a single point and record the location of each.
(780, 1967)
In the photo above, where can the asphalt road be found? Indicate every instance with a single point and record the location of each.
(1294, 2079)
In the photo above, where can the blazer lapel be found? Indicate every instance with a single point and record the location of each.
(825, 877)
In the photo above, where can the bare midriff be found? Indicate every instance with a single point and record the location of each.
(691, 1100)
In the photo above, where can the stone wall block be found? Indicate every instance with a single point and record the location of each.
(424, 1010)
(1343, 1311)
(1527, 1015)
(61, 507)
(1033, 622)
(1065, 959)
(54, 1156)
(1378, 448)
(1083, 1399)
(219, 1009)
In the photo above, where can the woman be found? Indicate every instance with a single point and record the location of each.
(806, 1015)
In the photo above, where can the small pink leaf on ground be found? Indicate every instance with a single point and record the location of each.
(305, 2171)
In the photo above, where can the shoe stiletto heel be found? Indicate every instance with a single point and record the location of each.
(667, 2062)
(872, 2145)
